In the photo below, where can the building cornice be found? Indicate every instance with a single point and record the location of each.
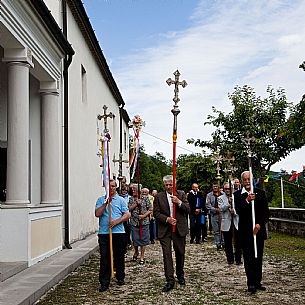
(52, 25)
(85, 26)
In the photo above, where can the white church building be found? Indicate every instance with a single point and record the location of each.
(54, 83)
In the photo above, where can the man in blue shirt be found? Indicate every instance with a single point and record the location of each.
(119, 214)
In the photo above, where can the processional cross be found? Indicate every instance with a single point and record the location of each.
(248, 141)
(121, 161)
(105, 116)
(175, 111)
(217, 158)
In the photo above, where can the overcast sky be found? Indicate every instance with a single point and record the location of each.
(216, 45)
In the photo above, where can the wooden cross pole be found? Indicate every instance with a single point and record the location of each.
(105, 116)
(175, 111)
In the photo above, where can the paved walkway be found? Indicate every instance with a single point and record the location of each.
(28, 286)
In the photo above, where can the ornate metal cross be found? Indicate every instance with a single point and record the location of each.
(105, 116)
(176, 99)
(248, 141)
(121, 161)
(229, 168)
(217, 158)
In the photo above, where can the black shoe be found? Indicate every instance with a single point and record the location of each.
(260, 287)
(238, 263)
(103, 288)
(121, 282)
(152, 241)
(252, 289)
(197, 242)
(181, 281)
(167, 287)
(231, 262)
(191, 241)
(218, 247)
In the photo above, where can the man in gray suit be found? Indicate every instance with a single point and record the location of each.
(163, 212)
(229, 225)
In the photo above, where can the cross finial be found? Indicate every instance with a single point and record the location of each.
(247, 140)
(105, 116)
(229, 168)
(121, 161)
(217, 158)
(176, 82)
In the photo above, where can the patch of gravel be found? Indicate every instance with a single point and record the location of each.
(209, 280)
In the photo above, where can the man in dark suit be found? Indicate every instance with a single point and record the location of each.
(242, 199)
(197, 207)
(163, 212)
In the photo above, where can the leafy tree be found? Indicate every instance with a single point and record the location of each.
(152, 170)
(194, 168)
(272, 121)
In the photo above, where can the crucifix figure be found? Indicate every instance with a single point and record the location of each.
(175, 111)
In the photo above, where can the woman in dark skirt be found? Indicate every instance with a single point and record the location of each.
(140, 209)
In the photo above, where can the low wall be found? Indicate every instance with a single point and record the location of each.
(289, 221)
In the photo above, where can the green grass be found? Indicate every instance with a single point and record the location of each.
(282, 245)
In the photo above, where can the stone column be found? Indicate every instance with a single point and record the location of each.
(18, 133)
(49, 146)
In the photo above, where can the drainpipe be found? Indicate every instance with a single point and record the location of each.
(67, 62)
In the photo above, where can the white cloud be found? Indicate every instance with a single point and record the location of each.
(231, 43)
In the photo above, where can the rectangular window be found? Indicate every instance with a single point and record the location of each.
(84, 84)
(125, 141)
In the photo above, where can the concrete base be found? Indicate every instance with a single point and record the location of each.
(9, 269)
(28, 286)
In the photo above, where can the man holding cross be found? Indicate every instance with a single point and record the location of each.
(119, 214)
(246, 230)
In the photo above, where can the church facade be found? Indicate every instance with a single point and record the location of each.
(55, 87)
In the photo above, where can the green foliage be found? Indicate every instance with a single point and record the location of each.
(294, 192)
(152, 170)
(277, 126)
(195, 168)
(276, 202)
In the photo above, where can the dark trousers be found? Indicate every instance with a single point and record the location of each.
(204, 231)
(253, 266)
(152, 230)
(118, 245)
(179, 248)
(128, 232)
(231, 238)
(195, 227)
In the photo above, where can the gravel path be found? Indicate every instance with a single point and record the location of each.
(209, 280)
